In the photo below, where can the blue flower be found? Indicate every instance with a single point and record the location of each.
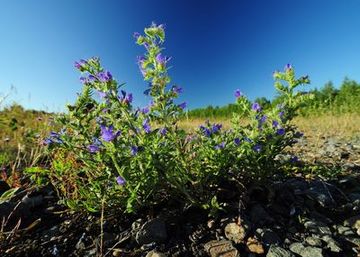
(162, 60)
(281, 114)
(54, 138)
(280, 131)
(120, 180)
(237, 141)
(136, 35)
(262, 119)
(129, 98)
(256, 107)
(163, 131)
(216, 128)
(102, 94)
(288, 67)
(275, 123)
(107, 133)
(104, 76)
(80, 65)
(182, 105)
(134, 150)
(294, 159)
(146, 126)
(145, 110)
(93, 148)
(238, 93)
(205, 130)
(220, 146)
(257, 148)
(177, 89)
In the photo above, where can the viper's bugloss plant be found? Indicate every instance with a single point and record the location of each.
(108, 151)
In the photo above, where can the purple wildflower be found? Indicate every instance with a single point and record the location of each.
(136, 35)
(145, 110)
(146, 126)
(140, 61)
(129, 98)
(275, 123)
(288, 67)
(205, 130)
(294, 159)
(238, 93)
(80, 64)
(134, 150)
(177, 89)
(93, 148)
(54, 138)
(163, 131)
(256, 107)
(120, 180)
(281, 114)
(216, 128)
(262, 119)
(257, 148)
(104, 76)
(280, 131)
(237, 141)
(107, 133)
(182, 105)
(101, 94)
(220, 146)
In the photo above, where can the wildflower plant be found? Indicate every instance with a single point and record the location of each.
(108, 151)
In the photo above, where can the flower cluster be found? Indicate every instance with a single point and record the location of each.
(111, 152)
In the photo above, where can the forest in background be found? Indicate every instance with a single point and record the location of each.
(327, 100)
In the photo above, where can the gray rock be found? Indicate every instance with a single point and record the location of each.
(354, 223)
(311, 252)
(277, 251)
(221, 248)
(313, 241)
(317, 227)
(344, 231)
(297, 248)
(152, 231)
(305, 251)
(331, 244)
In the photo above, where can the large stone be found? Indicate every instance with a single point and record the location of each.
(313, 241)
(354, 223)
(305, 251)
(223, 248)
(277, 251)
(254, 246)
(235, 232)
(331, 244)
(316, 227)
(152, 231)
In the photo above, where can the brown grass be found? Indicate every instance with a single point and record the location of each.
(343, 126)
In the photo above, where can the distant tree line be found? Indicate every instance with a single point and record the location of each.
(327, 99)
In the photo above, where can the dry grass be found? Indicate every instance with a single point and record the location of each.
(343, 126)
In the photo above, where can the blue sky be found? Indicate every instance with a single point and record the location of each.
(216, 46)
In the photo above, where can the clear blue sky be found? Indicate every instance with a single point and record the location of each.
(217, 46)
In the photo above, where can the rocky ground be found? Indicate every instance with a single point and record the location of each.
(307, 216)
